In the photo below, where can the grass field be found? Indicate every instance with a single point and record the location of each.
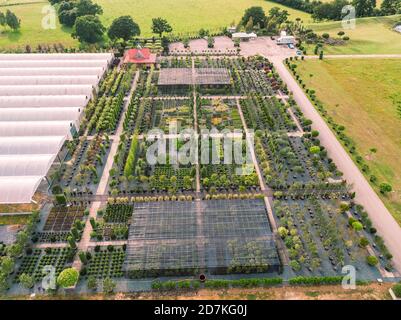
(371, 35)
(363, 95)
(14, 219)
(184, 15)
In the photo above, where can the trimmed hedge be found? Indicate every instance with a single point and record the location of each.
(315, 280)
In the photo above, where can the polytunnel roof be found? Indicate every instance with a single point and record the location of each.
(35, 128)
(39, 114)
(18, 189)
(46, 80)
(57, 56)
(50, 90)
(43, 101)
(4, 64)
(98, 71)
(25, 165)
(31, 145)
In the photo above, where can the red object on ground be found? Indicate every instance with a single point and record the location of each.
(140, 56)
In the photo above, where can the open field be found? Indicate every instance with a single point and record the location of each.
(363, 95)
(14, 219)
(184, 16)
(371, 35)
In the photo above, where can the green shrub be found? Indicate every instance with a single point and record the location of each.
(397, 290)
(68, 278)
(372, 260)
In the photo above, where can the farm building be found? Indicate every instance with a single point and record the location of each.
(140, 56)
(42, 98)
(243, 36)
(285, 39)
(185, 77)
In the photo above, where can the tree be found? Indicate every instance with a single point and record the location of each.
(12, 21)
(385, 188)
(390, 7)
(372, 260)
(92, 283)
(108, 285)
(357, 226)
(3, 21)
(88, 29)
(257, 14)
(314, 149)
(363, 242)
(160, 25)
(26, 281)
(68, 278)
(87, 7)
(249, 25)
(364, 8)
(123, 28)
(7, 265)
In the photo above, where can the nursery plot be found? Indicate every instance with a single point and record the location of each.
(320, 240)
(82, 173)
(266, 113)
(287, 160)
(137, 175)
(216, 236)
(218, 113)
(63, 218)
(35, 263)
(106, 262)
(170, 113)
(217, 174)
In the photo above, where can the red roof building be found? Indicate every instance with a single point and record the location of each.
(140, 56)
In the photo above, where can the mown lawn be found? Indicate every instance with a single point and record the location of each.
(14, 219)
(186, 16)
(363, 95)
(371, 35)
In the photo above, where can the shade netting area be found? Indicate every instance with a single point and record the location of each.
(187, 238)
(198, 76)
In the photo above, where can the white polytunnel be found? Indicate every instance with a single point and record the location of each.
(25, 165)
(49, 90)
(39, 114)
(57, 56)
(31, 145)
(36, 128)
(51, 71)
(4, 64)
(46, 80)
(44, 101)
(18, 189)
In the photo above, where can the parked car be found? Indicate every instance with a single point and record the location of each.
(299, 53)
(291, 46)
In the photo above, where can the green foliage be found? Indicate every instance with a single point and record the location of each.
(12, 20)
(397, 290)
(315, 280)
(130, 163)
(92, 283)
(108, 286)
(257, 15)
(26, 281)
(68, 278)
(372, 260)
(385, 187)
(123, 28)
(88, 29)
(160, 25)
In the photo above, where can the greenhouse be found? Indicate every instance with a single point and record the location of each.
(57, 56)
(58, 71)
(28, 90)
(36, 128)
(43, 101)
(187, 238)
(31, 145)
(25, 165)
(40, 114)
(48, 80)
(18, 189)
(4, 64)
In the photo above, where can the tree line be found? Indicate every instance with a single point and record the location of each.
(333, 10)
(83, 17)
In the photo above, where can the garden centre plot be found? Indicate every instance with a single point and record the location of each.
(288, 160)
(82, 173)
(34, 264)
(215, 174)
(319, 239)
(137, 175)
(62, 219)
(106, 262)
(216, 236)
(218, 113)
(172, 113)
(266, 113)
